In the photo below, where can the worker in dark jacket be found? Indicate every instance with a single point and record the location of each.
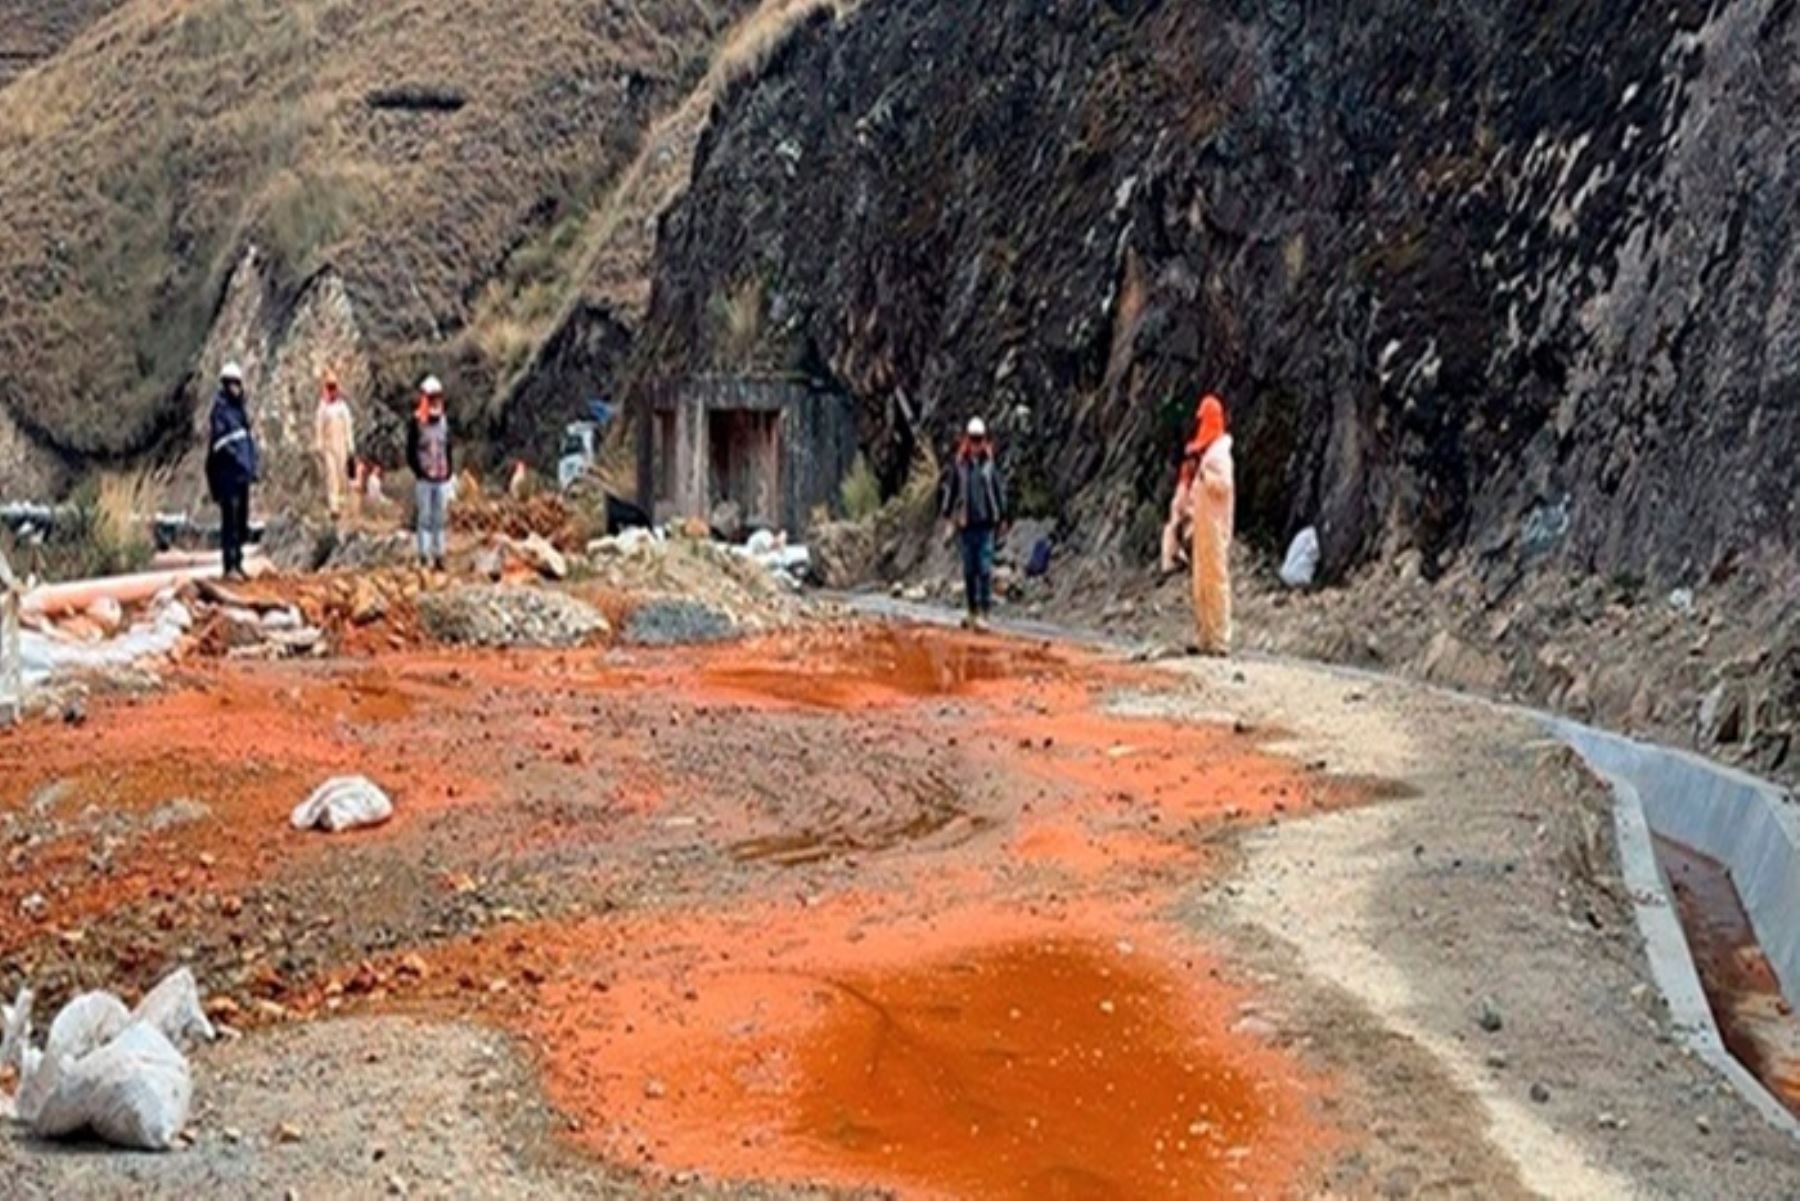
(231, 467)
(975, 507)
(430, 455)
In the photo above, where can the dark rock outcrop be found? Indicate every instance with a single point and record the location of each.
(579, 362)
(1511, 284)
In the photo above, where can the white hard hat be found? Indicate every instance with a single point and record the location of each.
(231, 373)
(977, 428)
(432, 386)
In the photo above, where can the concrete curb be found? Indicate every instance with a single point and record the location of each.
(1631, 769)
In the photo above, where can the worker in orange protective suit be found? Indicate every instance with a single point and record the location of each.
(1213, 499)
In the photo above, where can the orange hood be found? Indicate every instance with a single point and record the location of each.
(1211, 425)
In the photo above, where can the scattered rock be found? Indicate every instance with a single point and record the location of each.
(671, 621)
(1489, 1017)
(1540, 1092)
(178, 812)
(501, 615)
(367, 605)
(1449, 660)
(1721, 717)
(288, 1134)
(544, 558)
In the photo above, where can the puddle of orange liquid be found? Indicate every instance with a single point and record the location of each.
(984, 1052)
(1027, 1071)
(1758, 1025)
(882, 663)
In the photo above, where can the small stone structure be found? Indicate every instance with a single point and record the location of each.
(778, 447)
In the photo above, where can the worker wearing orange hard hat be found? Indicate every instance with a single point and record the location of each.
(334, 441)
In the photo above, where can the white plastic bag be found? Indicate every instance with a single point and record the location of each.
(1302, 563)
(132, 1092)
(343, 804)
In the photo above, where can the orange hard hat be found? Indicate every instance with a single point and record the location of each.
(1211, 424)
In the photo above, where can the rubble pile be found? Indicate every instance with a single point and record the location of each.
(511, 616)
(344, 613)
(677, 588)
(546, 515)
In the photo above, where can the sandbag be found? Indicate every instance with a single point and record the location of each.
(343, 804)
(85, 1024)
(1302, 563)
(104, 1068)
(133, 1092)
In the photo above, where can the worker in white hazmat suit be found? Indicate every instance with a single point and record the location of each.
(334, 441)
(1214, 505)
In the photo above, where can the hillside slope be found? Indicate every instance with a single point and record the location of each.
(388, 157)
(34, 30)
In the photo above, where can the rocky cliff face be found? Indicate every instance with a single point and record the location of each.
(1512, 285)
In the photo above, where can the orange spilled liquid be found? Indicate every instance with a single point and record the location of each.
(1031, 1071)
(1757, 1023)
(882, 663)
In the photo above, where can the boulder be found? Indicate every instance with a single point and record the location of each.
(1720, 720)
(543, 558)
(1451, 661)
(843, 553)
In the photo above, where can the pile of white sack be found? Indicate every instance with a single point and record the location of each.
(43, 657)
(770, 551)
(116, 1072)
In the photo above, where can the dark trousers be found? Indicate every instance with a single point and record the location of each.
(234, 525)
(978, 568)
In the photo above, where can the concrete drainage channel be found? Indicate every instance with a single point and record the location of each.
(1747, 826)
(1744, 824)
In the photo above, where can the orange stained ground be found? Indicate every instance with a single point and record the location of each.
(992, 1004)
(982, 1051)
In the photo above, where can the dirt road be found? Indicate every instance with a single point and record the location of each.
(863, 909)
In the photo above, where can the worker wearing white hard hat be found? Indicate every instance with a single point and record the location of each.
(431, 455)
(231, 467)
(975, 509)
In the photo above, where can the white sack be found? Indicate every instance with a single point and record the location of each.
(343, 804)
